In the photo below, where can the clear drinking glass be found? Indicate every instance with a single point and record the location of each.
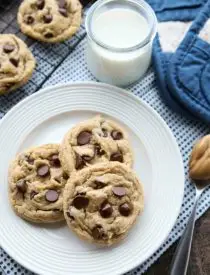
(114, 65)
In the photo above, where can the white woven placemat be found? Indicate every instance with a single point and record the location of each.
(186, 132)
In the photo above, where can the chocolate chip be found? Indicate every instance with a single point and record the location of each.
(48, 35)
(47, 18)
(65, 176)
(29, 159)
(80, 202)
(84, 138)
(40, 4)
(62, 3)
(79, 162)
(87, 158)
(14, 61)
(117, 157)
(33, 194)
(98, 232)
(102, 152)
(21, 185)
(105, 132)
(106, 210)
(63, 11)
(119, 191)
(125, 209)
(43, 170)
(8, 48)
(51, 195)
(98, 184)
(116, 135)
(98, 150)
(54, 160)
(29, 20)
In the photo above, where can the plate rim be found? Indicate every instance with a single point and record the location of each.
(128, 93)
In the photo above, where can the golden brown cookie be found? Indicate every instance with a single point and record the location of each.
(50, 20)
(102, 202)
(95, 141)
(36, 183)
(16, 63)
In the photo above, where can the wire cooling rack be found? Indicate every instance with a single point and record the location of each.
(48, 56)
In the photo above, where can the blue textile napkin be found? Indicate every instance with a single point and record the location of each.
(188, 75)
(174, 17)
(177, 10)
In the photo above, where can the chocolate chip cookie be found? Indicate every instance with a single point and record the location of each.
(101, 203)
(36, 183)
(50, 20)
(93, 141)
(16, 63)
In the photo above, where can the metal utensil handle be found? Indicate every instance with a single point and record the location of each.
(182, 254)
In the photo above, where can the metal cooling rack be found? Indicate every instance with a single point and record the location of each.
(48, 56)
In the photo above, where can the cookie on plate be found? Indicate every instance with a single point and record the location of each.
(50, 20)
(16, 63)
(102, 202)
(36, 183)
(93, 141)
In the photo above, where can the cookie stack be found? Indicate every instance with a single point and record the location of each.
(86, 180)
(48, 21)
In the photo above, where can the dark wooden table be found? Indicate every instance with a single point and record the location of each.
(200, 254)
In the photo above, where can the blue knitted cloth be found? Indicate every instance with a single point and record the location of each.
(174, 12)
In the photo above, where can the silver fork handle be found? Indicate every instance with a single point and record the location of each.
(182, 254)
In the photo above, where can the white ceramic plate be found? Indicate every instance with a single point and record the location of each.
(45, 117)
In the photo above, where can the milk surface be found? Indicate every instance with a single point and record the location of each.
(120, 28)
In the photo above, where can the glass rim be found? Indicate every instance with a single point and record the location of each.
(138, 3)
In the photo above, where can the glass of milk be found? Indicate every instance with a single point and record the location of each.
(120, 34)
